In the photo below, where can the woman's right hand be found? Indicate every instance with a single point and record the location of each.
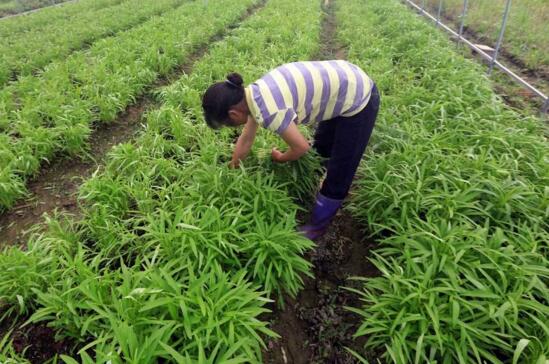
(234, 164)
(244, 143)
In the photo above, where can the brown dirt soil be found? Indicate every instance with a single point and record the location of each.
(56, 187)
(37, 341)
(315, 327)
(329, 47)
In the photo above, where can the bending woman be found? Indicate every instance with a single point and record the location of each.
(335, 96)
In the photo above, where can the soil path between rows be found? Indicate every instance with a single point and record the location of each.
(315, 327)
(56, 187)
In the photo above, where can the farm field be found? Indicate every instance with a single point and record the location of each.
(11, 7)
(52, 113)
(25, 53)
(459, 184)
(528, 44)
(167, 255)
(524, 49)
(51, 15)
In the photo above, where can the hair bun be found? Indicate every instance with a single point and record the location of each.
(234, 79)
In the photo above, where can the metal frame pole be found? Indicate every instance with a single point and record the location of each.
(500, 37)
(545, 107)
(463, 15)
(439, 12)
(422, 5)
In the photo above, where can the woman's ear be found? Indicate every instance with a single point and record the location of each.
(238, 117)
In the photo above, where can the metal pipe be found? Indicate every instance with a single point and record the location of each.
(545, 107)
(423, 5)
(486, 56)
(463, 15)
(500, 37)
(439, 11)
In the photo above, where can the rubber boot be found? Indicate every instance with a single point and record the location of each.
(323, 211)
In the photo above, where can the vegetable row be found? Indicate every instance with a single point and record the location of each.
(35, 20)
(10, 7)
(26, 53)
(456, 187)
(176, 255)
(52, 113)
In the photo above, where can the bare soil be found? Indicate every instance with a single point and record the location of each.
(37, 341)
(56, 187)
(315, 327)
(329, 47)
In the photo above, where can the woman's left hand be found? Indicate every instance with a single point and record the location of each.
(277, 156)
(297, 143)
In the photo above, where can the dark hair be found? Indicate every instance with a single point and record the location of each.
(219, 98)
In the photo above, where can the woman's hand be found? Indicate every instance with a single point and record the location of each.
(297, 143)
(244, 143)
(234, 164)
(277, 156)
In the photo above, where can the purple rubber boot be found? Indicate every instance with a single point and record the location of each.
(324, 210)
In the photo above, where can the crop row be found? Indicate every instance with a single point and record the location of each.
(52, 113)
(457, 190)
(8, 7)
(25, 53)
(45, 17)
(526, 36)
(176, 255)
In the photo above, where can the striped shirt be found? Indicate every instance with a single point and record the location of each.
(308, 92)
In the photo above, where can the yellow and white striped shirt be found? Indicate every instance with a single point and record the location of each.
(308, 92)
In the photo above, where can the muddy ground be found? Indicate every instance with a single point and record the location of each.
(315, 327)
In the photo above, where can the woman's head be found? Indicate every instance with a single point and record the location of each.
(224, 103)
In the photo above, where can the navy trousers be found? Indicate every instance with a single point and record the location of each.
(342, 142)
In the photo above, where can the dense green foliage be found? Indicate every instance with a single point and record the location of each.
(49, 16)
(457, 190)
(176, 255)
(45, 115)
(25, 53)
(10, 7)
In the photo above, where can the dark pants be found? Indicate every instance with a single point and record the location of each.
(342, 141)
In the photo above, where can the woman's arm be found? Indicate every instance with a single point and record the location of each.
(244, 142)
(297, 143)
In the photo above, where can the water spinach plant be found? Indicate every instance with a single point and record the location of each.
(25, 53)
(44, 116)
(456, 190)
(176, 255)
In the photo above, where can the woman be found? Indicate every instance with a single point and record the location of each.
(337, 96)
